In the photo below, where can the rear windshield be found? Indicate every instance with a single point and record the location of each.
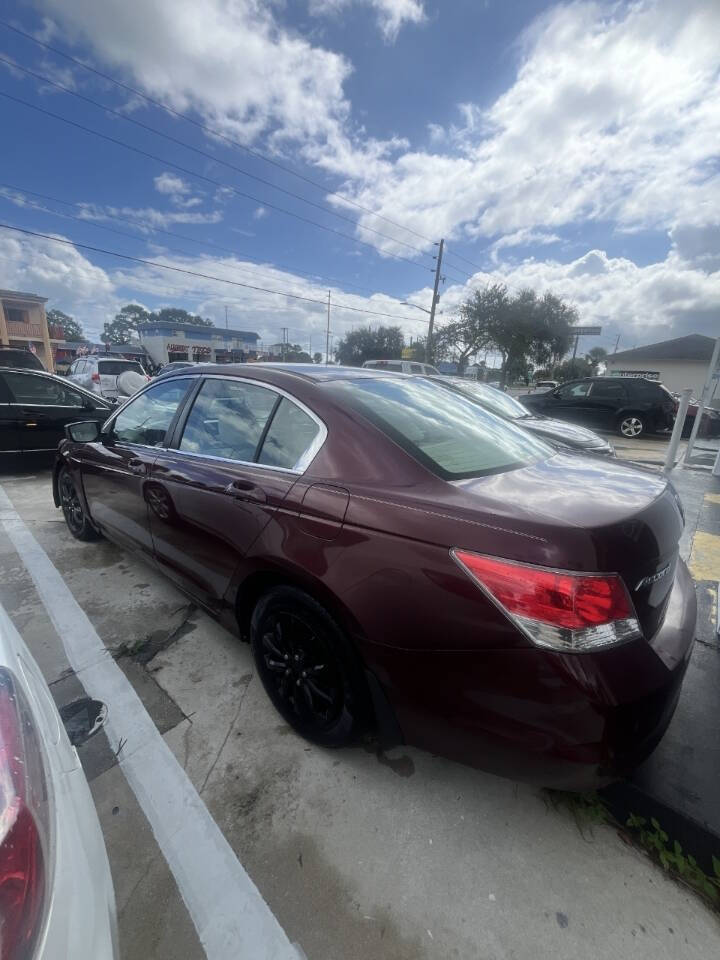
(20, 359)
(114, 368)
(449, 434)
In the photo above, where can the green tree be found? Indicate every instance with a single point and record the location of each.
(124, 327)
(383, 343)
(524, 329)
(573, 370)
(178, 315)
(317, 357)
(72, 329)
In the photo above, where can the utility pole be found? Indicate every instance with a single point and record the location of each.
(226, 323)
(283, 349)
(575, 346)
(616, 343)
(327, 333)
(428, 345)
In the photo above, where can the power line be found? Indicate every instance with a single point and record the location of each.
(195, 273)
(203, 153)
(215, 132)
(180, 236)
(205, 178)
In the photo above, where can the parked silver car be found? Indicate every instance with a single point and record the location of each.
(57, 894)
(100, 374)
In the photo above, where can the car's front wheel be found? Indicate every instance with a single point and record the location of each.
(77, 520)
(631, 426)
(308, 668)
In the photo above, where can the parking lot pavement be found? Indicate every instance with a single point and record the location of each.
(357, 854)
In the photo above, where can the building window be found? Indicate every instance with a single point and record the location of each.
(14, 315)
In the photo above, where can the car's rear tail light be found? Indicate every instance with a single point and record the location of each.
(95, 377)
(554, 608)
(24, 825)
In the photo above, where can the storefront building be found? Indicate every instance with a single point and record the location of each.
(168, 342)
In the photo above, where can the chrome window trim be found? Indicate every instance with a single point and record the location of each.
(306, 457)
(237, 463)
(300, 466)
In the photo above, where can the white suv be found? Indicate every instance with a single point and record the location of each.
(403, 366)
(99, 374)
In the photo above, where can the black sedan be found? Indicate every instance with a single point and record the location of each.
(34, 409)
(560, 434)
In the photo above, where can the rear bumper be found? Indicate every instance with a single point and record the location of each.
(567, 721)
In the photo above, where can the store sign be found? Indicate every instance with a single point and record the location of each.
(648, 374)
(587, 331)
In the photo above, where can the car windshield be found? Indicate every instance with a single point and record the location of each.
(115, 367)
(450, 434)
(500, 403)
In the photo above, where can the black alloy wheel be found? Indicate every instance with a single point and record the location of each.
(73, 510)
(307, 667)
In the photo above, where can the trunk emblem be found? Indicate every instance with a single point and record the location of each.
(653, 578)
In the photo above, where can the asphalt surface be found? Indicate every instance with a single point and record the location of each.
(357, 854)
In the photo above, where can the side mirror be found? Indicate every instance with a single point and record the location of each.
(86, 431)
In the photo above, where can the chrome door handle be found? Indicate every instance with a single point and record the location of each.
(244, 490)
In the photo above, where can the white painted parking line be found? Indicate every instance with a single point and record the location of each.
(232, 920)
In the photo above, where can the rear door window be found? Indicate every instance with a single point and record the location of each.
(227, 419)
(146, 419)
(607, 390)
(289, 438)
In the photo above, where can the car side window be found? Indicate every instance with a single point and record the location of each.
(603, 390)
(289, 437)
(416, 368)
(227, 419)
(147, 419)
(80, 366)
(31, 389)
(571, 391)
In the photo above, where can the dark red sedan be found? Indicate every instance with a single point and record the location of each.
(402, 559)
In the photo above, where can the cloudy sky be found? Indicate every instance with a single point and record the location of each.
(329, 144)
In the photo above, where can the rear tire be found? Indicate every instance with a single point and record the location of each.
(308, 668)
(631, 426)
(75, 516)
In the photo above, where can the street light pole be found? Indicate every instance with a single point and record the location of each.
(428, 344)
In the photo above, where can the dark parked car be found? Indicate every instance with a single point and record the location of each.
(630, 406)
(400, 557)
(35, 408)
(559, 433)
(20, 358)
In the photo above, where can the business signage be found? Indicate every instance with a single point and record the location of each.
(648, 374)
(587, 331)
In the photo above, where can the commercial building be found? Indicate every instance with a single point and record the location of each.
(23, 323)
(166, 342)
(679, 363)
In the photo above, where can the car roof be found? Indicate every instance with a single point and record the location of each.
(310, 372)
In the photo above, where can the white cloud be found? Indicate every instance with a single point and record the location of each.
(171, 184)
(231, 62)
(392, 15)
(69, 280)
(259, 213)
(614, 115)
(147, 217)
